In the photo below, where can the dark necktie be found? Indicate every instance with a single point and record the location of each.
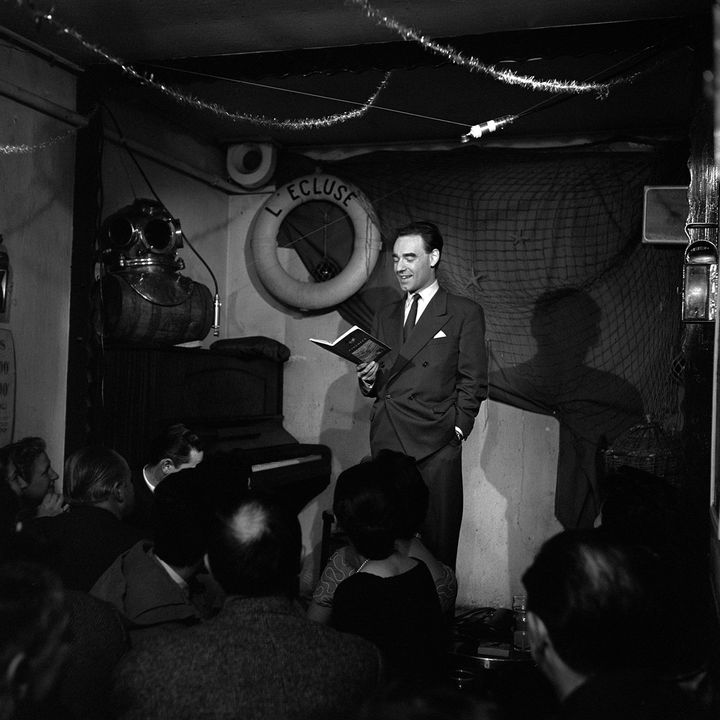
(412, 316)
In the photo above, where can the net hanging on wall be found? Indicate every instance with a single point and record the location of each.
(582, 319)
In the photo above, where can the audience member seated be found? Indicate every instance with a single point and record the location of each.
(344, 562)
(33, 646)
(260, 657)
(96, 637)
(32, 479)
(155, 583)
(175, 448)
(643, 509)
(592, 617)
(391, 600)
(83, 542)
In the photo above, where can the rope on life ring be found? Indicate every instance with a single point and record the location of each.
(310, 295)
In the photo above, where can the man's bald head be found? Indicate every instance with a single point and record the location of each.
(255, 549)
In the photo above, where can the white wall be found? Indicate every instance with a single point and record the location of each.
(36, 206)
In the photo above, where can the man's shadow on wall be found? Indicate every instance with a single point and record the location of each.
(593, 406)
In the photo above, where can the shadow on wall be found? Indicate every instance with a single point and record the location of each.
(592, 406)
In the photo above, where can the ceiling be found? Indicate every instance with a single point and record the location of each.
(292, 59)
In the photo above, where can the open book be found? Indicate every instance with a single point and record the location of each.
(355, 345)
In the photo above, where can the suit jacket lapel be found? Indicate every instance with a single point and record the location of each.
(432, 319)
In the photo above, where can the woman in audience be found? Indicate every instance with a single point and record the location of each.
(30, 475)
(391, 599)
(403, 474)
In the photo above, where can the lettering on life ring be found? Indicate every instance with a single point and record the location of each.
(366, 248)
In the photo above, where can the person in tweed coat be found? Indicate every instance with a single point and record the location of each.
(260, 657)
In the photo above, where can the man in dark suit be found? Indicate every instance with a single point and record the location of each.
(429, 387)
(260, 657)
(176, 448)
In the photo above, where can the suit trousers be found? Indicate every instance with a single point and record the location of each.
(442, 472)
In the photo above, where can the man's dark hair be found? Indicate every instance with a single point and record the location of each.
(429, 232)
(175, 442)
(23, 454)
(596, 598)
(91, 473)
(255, 548)
(366, 506)
(180, 518)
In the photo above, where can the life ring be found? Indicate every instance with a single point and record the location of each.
(366, 248)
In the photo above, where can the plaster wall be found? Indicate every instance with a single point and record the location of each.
(36, 213)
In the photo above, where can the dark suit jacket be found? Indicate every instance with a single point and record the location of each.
(83, 542)
(433, 383)
(260, 658)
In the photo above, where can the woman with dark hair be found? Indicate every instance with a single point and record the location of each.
(401, 471)
(391, 598)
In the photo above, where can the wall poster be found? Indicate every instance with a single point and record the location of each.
(7, 386)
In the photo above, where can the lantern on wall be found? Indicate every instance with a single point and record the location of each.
(700, 278)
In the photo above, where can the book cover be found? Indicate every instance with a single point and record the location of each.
(355, 345)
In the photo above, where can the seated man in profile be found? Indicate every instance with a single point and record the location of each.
(592, 616)
(32, 478)
(260, 657)
(175, 448)
(85, 540)
(155, 584)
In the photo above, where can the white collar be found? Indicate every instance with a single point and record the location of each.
(174, 575)
(147, 482)
(426, 294)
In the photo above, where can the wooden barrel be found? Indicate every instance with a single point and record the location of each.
(124, 315)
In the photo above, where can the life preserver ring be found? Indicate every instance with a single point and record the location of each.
(311, 295)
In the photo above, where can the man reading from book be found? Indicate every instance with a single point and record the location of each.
(429, 387)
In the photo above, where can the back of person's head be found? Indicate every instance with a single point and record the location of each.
(401, 472)
(255, 548)
(33, 620)
(367, 507)
(429, 232)
(175, 443)
(93, 473)
(23, 453)
(596, 598)
(180, 517)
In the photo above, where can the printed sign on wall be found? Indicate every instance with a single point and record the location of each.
(7, 386)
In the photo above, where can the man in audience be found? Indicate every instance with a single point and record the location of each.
(83, 542)
(260, 657)
(175, 448)
(592, 618)
(32, 478)
(155, 583)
